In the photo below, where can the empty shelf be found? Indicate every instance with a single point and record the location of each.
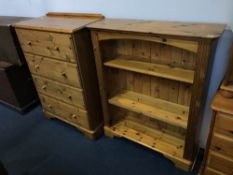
(162, 110)
(154, 139)
(159, 70)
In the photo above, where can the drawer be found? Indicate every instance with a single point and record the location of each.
(73, 96)
(224, 124)
(63, 72)
(55, 45)
(70, 113)
(222, 145)
(210, 171)
(220, 163)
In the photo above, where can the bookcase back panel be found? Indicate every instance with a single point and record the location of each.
(147, 51)
(172, 91)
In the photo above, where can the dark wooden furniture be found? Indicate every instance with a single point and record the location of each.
(59, 54)
(17, 89)
(153, 78)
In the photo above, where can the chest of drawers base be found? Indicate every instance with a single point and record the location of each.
(58, 51)
(91, 134)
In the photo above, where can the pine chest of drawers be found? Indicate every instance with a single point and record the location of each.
(59, 54)
(219, 151)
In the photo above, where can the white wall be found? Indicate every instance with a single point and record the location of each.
(220, 11)
(178, 10)
(181, 10)
(30, 8)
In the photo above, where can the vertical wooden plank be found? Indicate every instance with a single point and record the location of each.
(155, 58)
(125, 48)
(184, 96)
(173, 91)
(165, 58)
(174, 86)
(197, 100)
(164, 89)
(100, 73)
(188, 60)
(141, 51)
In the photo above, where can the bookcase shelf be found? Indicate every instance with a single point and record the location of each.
(162, 110)
(158, 70)
(149, 137)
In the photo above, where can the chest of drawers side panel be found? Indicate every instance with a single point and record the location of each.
(87, 69)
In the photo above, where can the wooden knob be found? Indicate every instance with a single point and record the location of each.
(57, 48)
(164, 39)
(64, 74)
(37, 66)
(50, 106)
(70, 97)
(73, 116)
(29, 43)
(44, 87)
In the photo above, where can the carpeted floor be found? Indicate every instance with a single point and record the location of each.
(30, 144)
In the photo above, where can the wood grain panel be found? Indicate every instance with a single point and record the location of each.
(200, 30)
(224, 124)
(55, 45)
(56, 70)
(210, 171)
(67, 94)
(68, 112)
(222, 144)
(220, 163)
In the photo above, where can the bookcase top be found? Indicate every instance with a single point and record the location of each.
(200, 30)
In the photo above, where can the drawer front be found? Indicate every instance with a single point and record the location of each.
(210, 171)
(56, 70)
(70, 113)
(55, 45)
(73, 96)
(224, 124)
(220, 163)
(222, 145)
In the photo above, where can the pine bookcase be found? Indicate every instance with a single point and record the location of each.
(153, 78)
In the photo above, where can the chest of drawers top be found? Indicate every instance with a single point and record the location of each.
(60, 22)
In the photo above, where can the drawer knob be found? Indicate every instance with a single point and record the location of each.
(218, 148)
(29, 43)
(70, 97)
(57, 48)
(50, 106)
(64, 74)
(37, 66)
(164, 40)
(44, 87)
(73, 116)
